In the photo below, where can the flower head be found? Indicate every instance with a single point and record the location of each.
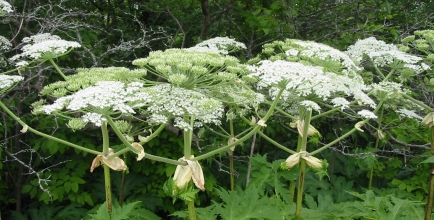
(301, 80)
(45, 46)
(7, 81)
(177, 102)
(221, 45)
(294, 159)
(115, 163)
(184, 174)
(4, 44)
(387, 55)
(5, 7)
(191, 69)
(105, 97)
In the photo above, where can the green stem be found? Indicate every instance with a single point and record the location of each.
(426, 107)
(335, 141)
(430, 197)
(389, 75)
(191, 210)
(10, 113)
(12, 70)
(215, 132)
(300, 189)
(108, 191)
(120, 135)
(285, 113)
(57, 68)
(148, 156)
(376, 68)
(105, 147)
(231, 157)
(308, 115)
(245, 137)
(377, 142)
(292, 184)
(154, 134)
(188, 137)
(275, 143)
(345, 135)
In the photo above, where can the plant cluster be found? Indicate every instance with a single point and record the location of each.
(203, 91)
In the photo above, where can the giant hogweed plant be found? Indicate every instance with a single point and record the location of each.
(113, 99)
(193, 87)
(315, 77)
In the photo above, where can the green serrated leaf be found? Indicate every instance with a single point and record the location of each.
(428, 160)
(310, 201)
(124, 211)
(101, 213)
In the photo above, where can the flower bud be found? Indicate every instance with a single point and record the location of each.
(76, 124)
(380, 134)
(311, 131)
(262, 123)
(141, 153)
(184, 173)
(292, 160)
(115, 163)
(429, 119)
(358, 126)
(313, 162)
(230, 141)
(129, 138)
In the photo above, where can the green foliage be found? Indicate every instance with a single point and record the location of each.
(388, 207)
(188, 193)
(248, 204)
(132, 211)
(49, 212)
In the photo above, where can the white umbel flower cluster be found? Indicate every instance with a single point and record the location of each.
(4, 44)
(384, 54)
(221, 45)
(325, 53)
(170, 101)
(43, 47)
(409, 114)
(7, 81)
(191, 69)
(5, 7)
(302, 81)
(105, 97)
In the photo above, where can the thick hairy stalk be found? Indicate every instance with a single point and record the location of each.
(377, 142)
(231, 157)
(57, 68)
(308, 114)
(429, 200)
(188, 137)
(105, 150)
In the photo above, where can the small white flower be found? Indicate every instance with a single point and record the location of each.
(310, 105)
(300, 80)
(45, 46)
(340, 102)
(168, 100)
(221, 45)
(367, 114)
(4, 44)
(408, 114)
(95, 118)
(5, 7)
(7, 81)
